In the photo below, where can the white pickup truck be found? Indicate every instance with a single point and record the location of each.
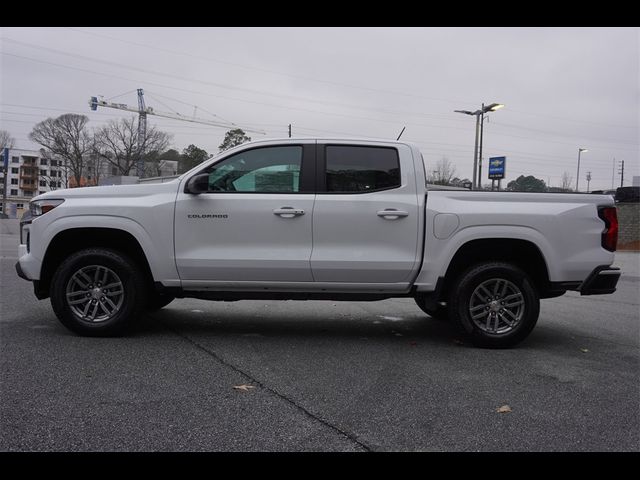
(316, 219)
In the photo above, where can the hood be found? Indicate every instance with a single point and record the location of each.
(134, 190)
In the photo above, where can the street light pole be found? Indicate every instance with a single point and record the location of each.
(480, 152)
(477, 158)
(580, 150)
(475, 153)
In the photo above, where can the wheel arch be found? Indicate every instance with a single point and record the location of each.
(71, 240)
(524, 254)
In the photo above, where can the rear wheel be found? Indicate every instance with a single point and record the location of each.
(494, 304)
(98, 292)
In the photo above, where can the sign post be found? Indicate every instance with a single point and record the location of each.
(497, 167)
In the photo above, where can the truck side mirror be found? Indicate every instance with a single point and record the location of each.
(197, 184)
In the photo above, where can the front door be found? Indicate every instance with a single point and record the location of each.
(366, 215)
(254, 223)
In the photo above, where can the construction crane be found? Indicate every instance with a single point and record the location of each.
(143, 111)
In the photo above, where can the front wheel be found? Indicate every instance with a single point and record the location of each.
(98, 292)
(494, 304)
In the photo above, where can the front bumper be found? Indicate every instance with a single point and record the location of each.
(601, 281)
(20, 273)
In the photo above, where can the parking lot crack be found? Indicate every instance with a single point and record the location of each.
(344, 433)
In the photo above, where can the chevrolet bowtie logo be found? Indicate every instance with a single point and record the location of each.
(496, 163)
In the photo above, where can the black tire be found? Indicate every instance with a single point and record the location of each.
(494, 328)
(156, 301)
(439, 313)
(131, 302)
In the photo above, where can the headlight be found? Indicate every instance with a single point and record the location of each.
(40, 207)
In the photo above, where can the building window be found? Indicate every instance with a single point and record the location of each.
(54, 163)
(15, 159)
(43, 161)
(41, 192)
(14, 181)
(14, 170)
(27, 193)
(59, 184)
(114, 171)
(43, 183)
(43, 173)
(14, 192)
(19, 205)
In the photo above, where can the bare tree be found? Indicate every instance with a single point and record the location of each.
(6, 140)
(67, 139)
(117, 143)
(567, 181)
(57, 177)
(443, 172)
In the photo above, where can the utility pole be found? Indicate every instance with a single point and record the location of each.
(621, 172)
(289, 130)
(588, 180)
(613, 172)
(142, 133)
(580, 150)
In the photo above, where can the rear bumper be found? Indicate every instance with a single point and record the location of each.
(601, 281)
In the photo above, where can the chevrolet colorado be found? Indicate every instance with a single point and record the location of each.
(316, 219)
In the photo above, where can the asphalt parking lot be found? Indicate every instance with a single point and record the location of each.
(328, 376)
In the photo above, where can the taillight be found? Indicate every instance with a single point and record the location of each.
(610, 233)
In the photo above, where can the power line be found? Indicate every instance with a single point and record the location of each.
(268, 104)
(195, 106)
(519, 127)
(313, 79)
(330, 82)
(220, 85)
(522, 112)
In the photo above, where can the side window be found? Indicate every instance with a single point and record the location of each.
(361, 169)
(260, 170)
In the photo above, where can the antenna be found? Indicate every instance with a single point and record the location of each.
(401, 133)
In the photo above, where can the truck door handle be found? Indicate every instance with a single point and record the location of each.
(288, 212)
(392, 214)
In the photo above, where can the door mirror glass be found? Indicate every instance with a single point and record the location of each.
(197, 184)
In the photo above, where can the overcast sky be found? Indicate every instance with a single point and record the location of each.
(563, 88)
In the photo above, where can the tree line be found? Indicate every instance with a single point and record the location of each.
(84, 152)
(444, 173)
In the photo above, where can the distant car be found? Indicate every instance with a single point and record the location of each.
(603, 192)
(4, 216)
(627, 194)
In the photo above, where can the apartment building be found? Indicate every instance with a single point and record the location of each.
(28, 174)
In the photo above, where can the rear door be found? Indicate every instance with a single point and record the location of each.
(366, 214)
